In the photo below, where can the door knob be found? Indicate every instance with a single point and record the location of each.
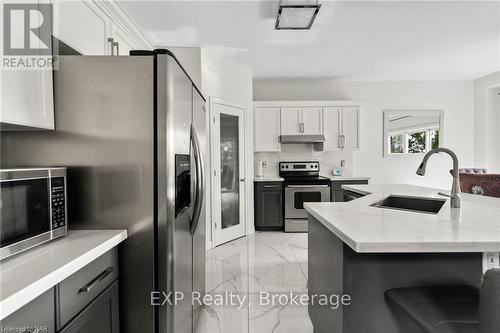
(242, 179)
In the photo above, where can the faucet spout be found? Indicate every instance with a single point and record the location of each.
(456, 199)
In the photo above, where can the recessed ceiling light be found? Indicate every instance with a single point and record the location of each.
(296, 15)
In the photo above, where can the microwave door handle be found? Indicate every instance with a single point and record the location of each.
(200, 186)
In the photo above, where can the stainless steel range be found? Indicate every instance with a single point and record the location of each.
(302, 183)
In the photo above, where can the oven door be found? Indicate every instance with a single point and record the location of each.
(25, 212)
(296, 195)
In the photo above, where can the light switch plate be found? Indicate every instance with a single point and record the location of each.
(490, 260)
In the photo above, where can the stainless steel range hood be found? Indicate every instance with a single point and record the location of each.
(316, 140)
(302, 138)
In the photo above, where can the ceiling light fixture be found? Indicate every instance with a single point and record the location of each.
(296, 15)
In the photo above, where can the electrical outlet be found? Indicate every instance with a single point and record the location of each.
(264, 164)
(491, 260)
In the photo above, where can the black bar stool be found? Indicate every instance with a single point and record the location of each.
(448, 309)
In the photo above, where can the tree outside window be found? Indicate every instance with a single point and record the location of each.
(417, 142)
(434, 134)
(397, 144)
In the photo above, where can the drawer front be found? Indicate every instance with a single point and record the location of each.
(337, 184)
(36, 316)
(78, 290)
(101, 316)
(269, 186)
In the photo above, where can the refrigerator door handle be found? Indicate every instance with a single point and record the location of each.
(200, 186)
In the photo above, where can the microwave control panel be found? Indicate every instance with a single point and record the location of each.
(58, 202)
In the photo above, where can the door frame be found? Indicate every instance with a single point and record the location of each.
(215, 216)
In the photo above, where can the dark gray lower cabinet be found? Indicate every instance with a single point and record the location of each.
(101, 315)
(36, 316)
(268, 204)
(85, 302)
(338, 192)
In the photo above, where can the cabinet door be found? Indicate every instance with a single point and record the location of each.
(36, 316)
(268, 206)
(267, 129)
(124, 43)
(290, 121)
(100, 316)
(350, 127)
(312, 119)
(82, 26)
(26, 97)
(332, 127)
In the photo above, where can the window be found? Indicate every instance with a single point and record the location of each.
(414, 141)
(397, 145)
(412, 132)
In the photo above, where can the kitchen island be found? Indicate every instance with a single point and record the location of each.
(360, 250)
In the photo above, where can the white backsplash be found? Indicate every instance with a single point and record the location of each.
(304, 152)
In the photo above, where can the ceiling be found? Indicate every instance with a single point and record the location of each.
(351, 40)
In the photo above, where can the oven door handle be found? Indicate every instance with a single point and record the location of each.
(307, 186)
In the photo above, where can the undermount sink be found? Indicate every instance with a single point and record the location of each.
(412, 204)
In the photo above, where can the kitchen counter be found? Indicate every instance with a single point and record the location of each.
(268, 179)
(473, 228)
(25, 276)
(362, 251)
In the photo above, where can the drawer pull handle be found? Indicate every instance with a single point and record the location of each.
(270, 186)
(96, 280)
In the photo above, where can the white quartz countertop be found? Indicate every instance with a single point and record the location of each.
(473, 228)
(25, 276)
(268, 179)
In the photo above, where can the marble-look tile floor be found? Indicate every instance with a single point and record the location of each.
(255, 268)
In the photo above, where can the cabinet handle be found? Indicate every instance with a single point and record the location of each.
(86, 288)
(111, 41)
(303, 128)
(339, 143)
(117, 48)
(270, 186)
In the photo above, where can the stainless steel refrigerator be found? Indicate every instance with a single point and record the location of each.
(132, 132)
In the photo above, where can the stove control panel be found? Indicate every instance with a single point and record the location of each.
(299, 166)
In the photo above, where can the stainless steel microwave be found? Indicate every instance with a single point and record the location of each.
(33, 208)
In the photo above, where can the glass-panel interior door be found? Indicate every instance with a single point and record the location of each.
(228, 173)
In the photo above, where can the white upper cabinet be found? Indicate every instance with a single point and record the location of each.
(301, 120)
(312, 120)
(291, 120)
(26, 98)
(96, 28)
(341, 127)
(82, 26)
(332, 127)
(350, 127)
(122, 42)
(267, 129)
(338, 121)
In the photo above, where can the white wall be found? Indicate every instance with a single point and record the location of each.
(454, 97)
(487, 122)
(230, 81)
(190, 58)
(303, 152)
